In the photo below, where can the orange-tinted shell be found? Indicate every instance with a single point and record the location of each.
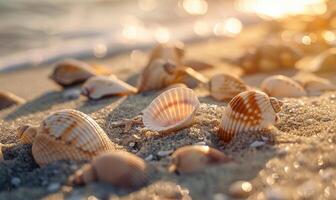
(195, 158)
(282, 86)
(119, 168)
(8, 99)
(26, 134)
(168, 52)
(313, 84)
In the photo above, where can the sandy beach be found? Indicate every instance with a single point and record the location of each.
(295, 161)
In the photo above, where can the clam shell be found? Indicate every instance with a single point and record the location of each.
(225, 87)
(313, 84)
(8, 99)
(168, 51)
(67, 134)
(248, 111)
(119, 168)
(195, 158)
(323, 62)
(101, 86)
(171, 110)
(282, 86)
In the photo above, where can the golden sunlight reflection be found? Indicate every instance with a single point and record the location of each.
(201, 27)
(162, 35)
(147, 5)
(329, 36)
(229, 27)
(132, 27)
(100, 50)
(195, 7)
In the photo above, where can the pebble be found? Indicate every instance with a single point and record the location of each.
(256, 144)
(53, 187)
(149, 157)
(15, 181)
(73, 93)
(240, 189)
(165, 153)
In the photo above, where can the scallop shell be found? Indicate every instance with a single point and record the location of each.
(67, 134)
(313, 84)
(324, 62)
(101, 86)
(225, 87)
(8, 99)
(171, 110)
(119, 168)
(195, 158)
(282, 86)
(248, 111)
(175, 85)
(26, 134)
(168, 51)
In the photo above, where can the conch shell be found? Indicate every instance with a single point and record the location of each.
(119, 168)
(248, 111)
(171, 110)
(225, 87)
(195, 158)
(323, 62)
(282, 86)
(313, 84)
(8, 99)
(101, 86)
(65, 134)
(168, 51)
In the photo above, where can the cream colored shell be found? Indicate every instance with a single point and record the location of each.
(248, 111)
(8, 99)
(171, 110)
(282, 86)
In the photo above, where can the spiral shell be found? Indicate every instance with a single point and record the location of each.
(168, 51)
(313, 84)
(225, 87)
(323, 62)
(8, 99)
(248, 111)
(171, 110)
(195, 158)
(282, 86)
(119, 168)
(101, 86)
(66, 134)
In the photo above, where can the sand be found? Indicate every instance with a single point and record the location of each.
(297, 160)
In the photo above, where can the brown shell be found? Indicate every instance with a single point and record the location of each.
(26, 134)
(282, 86)
(169, 52)
(119, 168)
(8, 99)
(195, 158)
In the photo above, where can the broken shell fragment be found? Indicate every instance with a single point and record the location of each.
(248, 111)
(195, 158)
(225, 87)
(8, 99)
(171, 110)
(119, 168)
(168, 51)
(66, 134)
(192, 78)
(313, 84)
(323, 62)
(282, 86)
(101, 86)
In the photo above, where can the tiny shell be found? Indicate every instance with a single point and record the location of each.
(119, 168)
(168, 51)
(313, 84)
(101, 86)
(171, 110)
(323, 62)
(195, 158)
(225, 87)
(248, 111)
(66, 134)
(197, 65)
(282, 86)
(8, 99)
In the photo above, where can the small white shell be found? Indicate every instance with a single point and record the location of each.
(101, 86)
(225, 87)
(282, 86)
(171, 110)
(323, 62)
(248, 111)
(313, 84)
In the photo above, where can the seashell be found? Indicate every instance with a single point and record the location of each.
(225, 87)
(248, 111)
(192, 78)
(313, 84)
(195, 158)
(175, 85)
(323, 62)
(8, 99)
(69, 72)
(168, 51)
(119, 168)
(26, 134)
(66, 134)
(197, 65)
(102, 86)
(282, 86)
(171, 110)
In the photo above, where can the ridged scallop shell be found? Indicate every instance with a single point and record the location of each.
(248, 111)
(171, 110)
(313, 84)
(26, 134)
(8, 99)
(323, 62)
(225, 87)
(102, 86)
(282, 86)
(175, 85)
(67, 135)
(119, 168)
(195, 158)
(168, 51)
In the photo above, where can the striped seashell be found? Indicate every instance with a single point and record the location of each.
(168, 52)
(323, 62)
(26, 134)
(175, 85)
(313, 84)
(119, 168)
(195, 158)
(101, 86)
(8, 99)
(282, 86)
(171, 110)
(66, 135)
(225, 87)
(248, 111)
